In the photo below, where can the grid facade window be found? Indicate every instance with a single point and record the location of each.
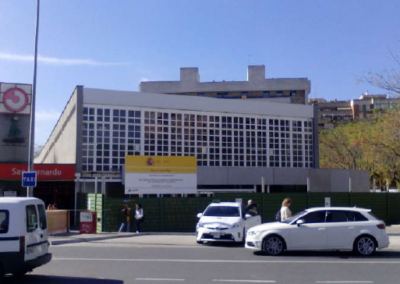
(274, 146)
(109, 134)
(308, 144)
(297, 140)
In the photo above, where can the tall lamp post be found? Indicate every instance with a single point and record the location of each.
(29, 191)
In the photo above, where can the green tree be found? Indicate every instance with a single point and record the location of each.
(372, 145)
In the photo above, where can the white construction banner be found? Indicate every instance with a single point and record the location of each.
(160, 175)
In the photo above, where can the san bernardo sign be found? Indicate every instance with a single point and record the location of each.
(160, 175)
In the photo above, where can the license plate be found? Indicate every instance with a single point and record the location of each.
(217, 235)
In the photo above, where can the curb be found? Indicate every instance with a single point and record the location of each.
(88, 240)
(120, 236)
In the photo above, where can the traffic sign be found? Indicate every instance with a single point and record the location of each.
(29, 179)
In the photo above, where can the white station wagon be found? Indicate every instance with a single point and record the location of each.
(347, 229)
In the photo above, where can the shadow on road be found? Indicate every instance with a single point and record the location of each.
(44, 279)
(336, 254)
(224, 245)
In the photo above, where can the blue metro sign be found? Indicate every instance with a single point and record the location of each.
(29, 179)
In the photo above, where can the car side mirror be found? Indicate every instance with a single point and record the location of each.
(300, 222)
(199, 215)
(247, 216)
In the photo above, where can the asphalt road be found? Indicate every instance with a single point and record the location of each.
(178, 259)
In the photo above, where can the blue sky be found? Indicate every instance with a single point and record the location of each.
(116, 44)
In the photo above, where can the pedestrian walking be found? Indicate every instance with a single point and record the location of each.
(139, 216)
(285, 211)
(127, 219)
(251, 208)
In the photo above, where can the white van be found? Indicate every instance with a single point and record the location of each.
(23, 235)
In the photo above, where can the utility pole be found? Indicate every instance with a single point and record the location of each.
(29, 191)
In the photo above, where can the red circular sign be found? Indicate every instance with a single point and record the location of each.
(15, 100)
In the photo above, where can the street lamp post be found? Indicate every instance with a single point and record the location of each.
(31, 157)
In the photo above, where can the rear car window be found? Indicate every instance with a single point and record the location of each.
(356, 217)
(374, 216)
(4, 221)
(344, 216)
(337, 217)
(31, 218)
(42, 217)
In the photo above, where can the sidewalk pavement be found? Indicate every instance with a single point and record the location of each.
(393, 230)
(75, 237)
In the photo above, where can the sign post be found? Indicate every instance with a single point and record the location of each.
(327, 202)
(29, 190)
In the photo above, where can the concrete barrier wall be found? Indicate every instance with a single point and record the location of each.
(321, 180)
(57, 221)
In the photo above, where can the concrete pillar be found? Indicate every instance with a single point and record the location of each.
(349, 184)
(103, 185)
(262, 184)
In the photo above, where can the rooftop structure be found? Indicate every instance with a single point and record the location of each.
(284, 90)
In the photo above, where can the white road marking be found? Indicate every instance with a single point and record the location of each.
(244, 281)
(159, 279)
(344, 282)
(229, 261)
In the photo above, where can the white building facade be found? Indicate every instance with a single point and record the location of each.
(224, 137)
(238, 143)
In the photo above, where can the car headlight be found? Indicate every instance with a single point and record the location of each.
(200, 225)
(253, 233)
(236, 225)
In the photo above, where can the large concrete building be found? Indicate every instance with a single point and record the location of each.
(237, 142)
(285, 90)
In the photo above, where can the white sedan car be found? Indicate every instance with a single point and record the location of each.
(347, 229)
(224, 222)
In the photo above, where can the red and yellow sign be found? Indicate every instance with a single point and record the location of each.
(160, 175)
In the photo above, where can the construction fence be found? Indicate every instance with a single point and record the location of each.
(178, 214)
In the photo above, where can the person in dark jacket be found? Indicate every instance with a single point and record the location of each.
(127, 219)
(251, 208)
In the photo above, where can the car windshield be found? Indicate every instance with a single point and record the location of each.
(222, 211)
(294, 217)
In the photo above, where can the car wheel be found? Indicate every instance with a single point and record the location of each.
(20, 274)
(200, 242)
(365, 245)
(273, 245)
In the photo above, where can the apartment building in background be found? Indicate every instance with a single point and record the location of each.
(332, 113)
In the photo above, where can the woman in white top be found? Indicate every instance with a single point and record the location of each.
(139, 216)
(285, 211)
